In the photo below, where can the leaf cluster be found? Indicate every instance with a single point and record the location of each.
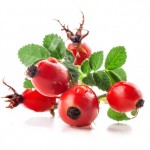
(112, 72)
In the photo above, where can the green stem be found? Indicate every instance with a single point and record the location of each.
(102, 98)
(81, 75)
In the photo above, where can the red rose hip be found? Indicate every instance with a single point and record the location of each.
(124, 97)
(49, 77)
(78, 106)
(31, 99)
(80, 50)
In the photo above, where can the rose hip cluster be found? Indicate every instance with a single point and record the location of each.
(77, 104)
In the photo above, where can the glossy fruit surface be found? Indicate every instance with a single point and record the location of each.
(124, 97)
(33, 100)
(52, 77)
(78, 106)
(81, 51)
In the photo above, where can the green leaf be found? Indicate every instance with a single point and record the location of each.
(120, 73)
(89, 80)
(69, 57)
(102, 80)
(116, 115)
(73, 71)
(55, 45)
(28, 84)
(134, 112)
(115, 58)
(96, 60)
(85, 67)
(30, 54)
(117, 75)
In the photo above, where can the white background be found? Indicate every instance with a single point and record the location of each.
(111, 23)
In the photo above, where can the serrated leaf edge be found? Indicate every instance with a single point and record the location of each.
(101, 52)
(32, 44)
(115, 58)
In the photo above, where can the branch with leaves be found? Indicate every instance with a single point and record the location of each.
(90, 72)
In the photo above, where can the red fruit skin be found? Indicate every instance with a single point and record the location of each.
(84, 99)
(81, 51)
(33, 100)
(123, 96)
(52, 78)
